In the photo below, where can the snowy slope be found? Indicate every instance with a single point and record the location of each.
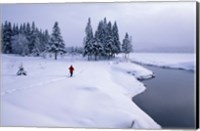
(99, 94)
(186, 61)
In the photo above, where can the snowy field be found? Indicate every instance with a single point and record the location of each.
(185, 61)
(99, 95)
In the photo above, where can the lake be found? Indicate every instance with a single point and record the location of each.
(169, 98)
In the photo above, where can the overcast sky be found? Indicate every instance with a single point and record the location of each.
(154, 26)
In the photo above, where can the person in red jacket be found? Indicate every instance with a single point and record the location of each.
(71, 70)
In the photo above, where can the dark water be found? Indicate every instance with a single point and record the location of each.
(169, 98)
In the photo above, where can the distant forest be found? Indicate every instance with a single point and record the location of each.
(28, 40)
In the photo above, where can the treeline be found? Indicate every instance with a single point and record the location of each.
(28, 40)
(104, 43)
(73, 50)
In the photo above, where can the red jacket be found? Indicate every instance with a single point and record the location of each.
(71, 68)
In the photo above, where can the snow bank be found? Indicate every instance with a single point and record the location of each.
(138, 71)
(99, 94)
(186, 61)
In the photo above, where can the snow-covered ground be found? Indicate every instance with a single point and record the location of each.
(186, 61)
(99, 95)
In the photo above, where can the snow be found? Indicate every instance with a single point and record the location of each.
(98, 95)
(185, 61)
(138, 71)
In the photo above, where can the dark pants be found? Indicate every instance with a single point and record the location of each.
(71, 73)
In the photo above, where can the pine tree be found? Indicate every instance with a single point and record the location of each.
(116, 38)
(35, 42)
(41, 37)
(100, 38)
(106, 41)
(31, 38)
(97, 49)
(109, 42)
(20, 44)
(46, 41)
(28, 31)
(15, 30)
(57, 43)
(22, 28)
(2, 41)
(7, 35)
(127, 46)
(88, 40)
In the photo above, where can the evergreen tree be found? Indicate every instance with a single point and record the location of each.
(100, 38)
(33, 26)
(116, 41)
(28, 31)
(99, 35)
(127, 45)
(57, 43)
(46, 41)
(35, 42)
(104, 34)
(15, 30)
(97, 49)
(109, 42)
(88, 40)
(22, 28)
(32, 38)
(107, 39)
(41, 37)
(2, 42)
(20, 44)
(7, 35)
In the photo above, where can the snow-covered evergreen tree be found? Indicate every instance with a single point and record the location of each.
(27, 29)
(103, 37)
(127, 45)
(2, 29)
(32, 38)
(46, 41)
(109, 42)
(97, 49)
(88, 40)
(21, 71)
(106, 41)
(56, 43)
(28, 32)
(115, 34)
(100, 38)
(43, 44)
(20, 44)
(15, 30)
(22, 28)
(6, 36)
(35, 42)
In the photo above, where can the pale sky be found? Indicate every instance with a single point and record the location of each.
(154, 26)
